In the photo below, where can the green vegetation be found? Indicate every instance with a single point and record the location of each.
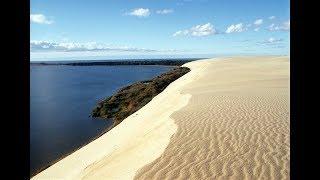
(164, 62)
(133, 97)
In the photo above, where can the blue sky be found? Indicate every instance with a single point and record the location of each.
(101, 29)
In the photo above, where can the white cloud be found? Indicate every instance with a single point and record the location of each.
(164, 11)
(258, 22)
(272, 17)
(40, 19)
(256, 29)
(202, 30)
(235, 28)
(273, 27)
(178, 33)
(271, 41)
(140, 12)
(46, 46)
(285, 26)
(198, 30)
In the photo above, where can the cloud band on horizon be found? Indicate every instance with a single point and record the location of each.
(45, 46)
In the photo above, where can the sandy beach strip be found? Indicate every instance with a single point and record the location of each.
(226, 119)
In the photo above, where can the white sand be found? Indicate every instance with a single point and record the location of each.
(226, 119)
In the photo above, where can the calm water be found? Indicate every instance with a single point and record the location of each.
(62, 98)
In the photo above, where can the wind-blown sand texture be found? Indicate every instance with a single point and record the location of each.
(226, 119)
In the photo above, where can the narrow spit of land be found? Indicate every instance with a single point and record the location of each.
(133, 97)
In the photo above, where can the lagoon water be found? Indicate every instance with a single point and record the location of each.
(61, 99)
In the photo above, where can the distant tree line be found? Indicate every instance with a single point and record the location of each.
(120, 62)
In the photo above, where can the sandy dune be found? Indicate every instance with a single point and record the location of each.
(236, 125)
(226, 119)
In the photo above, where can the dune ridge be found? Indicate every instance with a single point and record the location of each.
(236, 125)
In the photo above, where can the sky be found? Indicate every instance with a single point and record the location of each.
(112, 29)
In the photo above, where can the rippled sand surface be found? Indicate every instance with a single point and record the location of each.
(235, 126)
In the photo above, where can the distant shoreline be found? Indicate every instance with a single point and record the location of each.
(165, 62)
